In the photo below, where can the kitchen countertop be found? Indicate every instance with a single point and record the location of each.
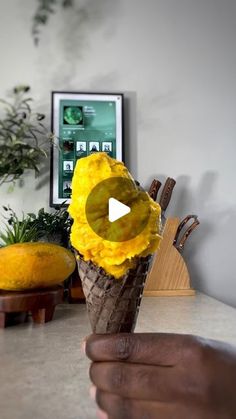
(44, 374)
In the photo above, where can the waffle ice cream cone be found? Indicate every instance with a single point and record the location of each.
(112, 304)
(113, 256)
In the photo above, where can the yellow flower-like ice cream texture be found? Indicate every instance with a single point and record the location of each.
(115, 257)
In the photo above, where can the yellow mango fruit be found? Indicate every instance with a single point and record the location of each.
(26, 266)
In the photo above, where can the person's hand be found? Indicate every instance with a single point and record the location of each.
(147, 376)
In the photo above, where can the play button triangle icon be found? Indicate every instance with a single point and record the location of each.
(111, 209)
(116, 210)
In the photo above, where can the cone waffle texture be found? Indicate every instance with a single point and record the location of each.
(112, 304)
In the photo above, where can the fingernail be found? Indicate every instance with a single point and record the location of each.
(92, 392)
(101, 414)
(83, 346)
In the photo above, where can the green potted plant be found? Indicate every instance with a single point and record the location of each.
(50, 227)
(53, 227)
(24, 139)
(16, 230)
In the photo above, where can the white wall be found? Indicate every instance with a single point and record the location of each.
(176, 63)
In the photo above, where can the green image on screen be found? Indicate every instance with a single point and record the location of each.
(73, 115)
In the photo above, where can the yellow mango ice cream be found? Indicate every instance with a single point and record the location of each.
(118, 255)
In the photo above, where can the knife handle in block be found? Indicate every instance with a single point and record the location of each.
(182, 224)
(166, 193)
(154, 188)
(186, 235)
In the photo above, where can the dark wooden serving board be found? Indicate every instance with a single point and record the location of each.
(40, 303)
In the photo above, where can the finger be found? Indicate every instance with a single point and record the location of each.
(122, 408)
(101, 414)
(136, 381)
(145, 348)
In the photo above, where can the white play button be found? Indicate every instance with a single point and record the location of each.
(116, 209)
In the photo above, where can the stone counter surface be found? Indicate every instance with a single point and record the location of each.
(44, 374)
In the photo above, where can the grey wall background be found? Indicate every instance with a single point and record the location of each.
(176, 63)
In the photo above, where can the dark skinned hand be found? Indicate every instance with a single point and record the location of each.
(164, 376)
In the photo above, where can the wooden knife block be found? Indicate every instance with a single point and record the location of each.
(169, 274)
